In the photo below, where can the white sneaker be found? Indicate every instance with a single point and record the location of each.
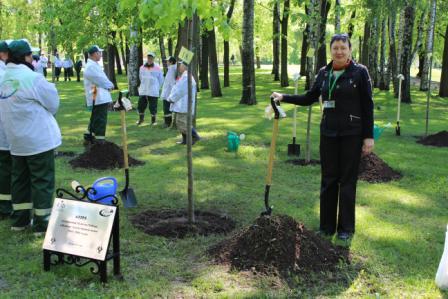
(18, 228)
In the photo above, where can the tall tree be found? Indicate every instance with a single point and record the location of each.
(443, 91)
(276, 41)
(284, 80)
(383, 83)
(424, 84)
(392, 64)
(215, 86)
(351, 26)
(133, 61)
(226, 47)
(406, 55)
(163, 53)
(203, 73)
(322, 44)
(248, 93)
(305, 46)
(337, 17)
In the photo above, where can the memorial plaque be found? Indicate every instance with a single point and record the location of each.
(186, 55)
(80, 228)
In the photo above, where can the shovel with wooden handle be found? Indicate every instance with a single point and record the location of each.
(294, 149)
(127, 194)
(268, 208)
(397, 128)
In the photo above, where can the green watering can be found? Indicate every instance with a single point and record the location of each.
(377, 130)
(233, 141)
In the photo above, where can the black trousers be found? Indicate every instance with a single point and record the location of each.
(45, 72)
(145, 101)
(78, 75)
(340, 157)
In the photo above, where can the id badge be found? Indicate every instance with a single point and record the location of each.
(329, 104)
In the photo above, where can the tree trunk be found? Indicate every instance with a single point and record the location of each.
(215, 86)
(226, 48)
(351, 27)
(305, 46)
(337, 17)
(373, 52)
(247, 58)
(392, 65)
(365, 45)
(421, 61)
(424, 84)
(443, 91)
(133, 63)
(170, 46)
(406, 56)
(383, 82)
(182, 37)
(284, 80)
(418, 48)
(276, 41)
(322, 51)
(163, 53)
(204, 62)
(118, 60)
(109, 61)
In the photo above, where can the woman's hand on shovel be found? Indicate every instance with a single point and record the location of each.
(277, 96)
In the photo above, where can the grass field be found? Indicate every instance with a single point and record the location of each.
(400, 225)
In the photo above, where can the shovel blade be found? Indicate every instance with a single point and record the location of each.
(128, 198)
(294, 150)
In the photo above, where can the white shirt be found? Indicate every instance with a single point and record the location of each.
(151, 80)
(27, 105)
(44, 61)
(170, 80)
(57, 62)
(67, 63)
(179, 94)
(4, 145)
(95, 76)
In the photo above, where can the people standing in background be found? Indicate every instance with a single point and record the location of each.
(78, 67)
(44, 62)
(5, 154)
(27, 108)
(97, 90)
(68, 68)
(37, 65)
(57, 66)
(151, 80)
(168, 83)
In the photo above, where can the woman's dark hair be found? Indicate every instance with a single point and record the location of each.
(19, 59)
(172, 60)
(341, 37)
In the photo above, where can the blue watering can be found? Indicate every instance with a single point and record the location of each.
(377, 130)
(233, 141)
(104, 187)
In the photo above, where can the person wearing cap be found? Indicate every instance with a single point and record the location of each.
(44, 62)
(27, 108)
(5, 155)
(168, 83)
(151, 79)
(179, 102)
(68, 68)
(58, 64)
(97, 90)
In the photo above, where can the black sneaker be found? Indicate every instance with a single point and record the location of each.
(344, 236)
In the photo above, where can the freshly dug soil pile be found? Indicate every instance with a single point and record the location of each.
(278, 244)
(301, 162)
(174, 223)
(374, 170)
(103, 156)
(439, 139)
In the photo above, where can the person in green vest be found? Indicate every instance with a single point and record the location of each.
(28, 103)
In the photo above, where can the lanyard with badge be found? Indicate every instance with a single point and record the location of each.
(331, 86)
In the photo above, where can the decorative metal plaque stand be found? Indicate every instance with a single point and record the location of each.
(97, 266)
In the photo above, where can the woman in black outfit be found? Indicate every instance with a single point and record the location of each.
(346, 133)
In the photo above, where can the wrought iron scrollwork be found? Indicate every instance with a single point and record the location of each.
(84, 194)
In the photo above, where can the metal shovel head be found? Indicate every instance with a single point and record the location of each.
(128, 198)
(294, 149)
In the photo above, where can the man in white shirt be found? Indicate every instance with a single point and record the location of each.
(97, 90)
(5, 154)
(68, 68)
(57, 66)
(44, 63)
(151, 80)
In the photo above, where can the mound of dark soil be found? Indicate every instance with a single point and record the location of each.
(278, 244)
(103, 156)
(174, 223)
(302, 162)
(374, 170)
(439, 139)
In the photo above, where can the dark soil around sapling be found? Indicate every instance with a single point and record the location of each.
(279, 245)
(302, 162)
(374, 170)
(103, 156)
(439, 139)
(174, 223)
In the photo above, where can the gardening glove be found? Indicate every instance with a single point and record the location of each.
(269, 112)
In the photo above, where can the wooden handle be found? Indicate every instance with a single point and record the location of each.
(124, 136)
(272, 153)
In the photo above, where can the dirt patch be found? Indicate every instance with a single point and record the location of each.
(439, 139)
(174, 223)
(374, 170)
(302, 162)
(103, 156)
(278, 244)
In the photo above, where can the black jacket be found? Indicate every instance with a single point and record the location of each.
(353, 112)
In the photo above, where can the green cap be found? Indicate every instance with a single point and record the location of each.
(3, 46)
(20, 47)
(94, 49)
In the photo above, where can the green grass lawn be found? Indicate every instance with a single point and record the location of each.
(400, 225)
